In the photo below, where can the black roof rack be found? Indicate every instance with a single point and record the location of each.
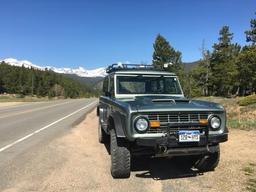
(119, 67)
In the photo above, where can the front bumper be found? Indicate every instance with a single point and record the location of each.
(172, 141)
(171, 145)
(189, 151)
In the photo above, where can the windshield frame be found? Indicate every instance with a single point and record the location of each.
(117, 95)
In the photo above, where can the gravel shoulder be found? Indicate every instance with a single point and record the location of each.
(77, 162)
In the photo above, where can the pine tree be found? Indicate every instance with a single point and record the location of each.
(251, 34)
(24, 81)
(201, 74)
(164, 53)
(223, 66)
(246, 62)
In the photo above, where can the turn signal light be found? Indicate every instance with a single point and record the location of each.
(203, 121)
(154, 123)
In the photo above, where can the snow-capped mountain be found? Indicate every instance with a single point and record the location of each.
(99, 72)
(25, 63)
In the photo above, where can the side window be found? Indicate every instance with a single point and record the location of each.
(105, 85)
(111, 86)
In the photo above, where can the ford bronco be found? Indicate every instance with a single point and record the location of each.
(143, 111)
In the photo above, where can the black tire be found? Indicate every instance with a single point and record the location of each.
(103, 136)
(120, 157)
(208, 162)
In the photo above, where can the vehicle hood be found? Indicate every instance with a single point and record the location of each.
(169, 103)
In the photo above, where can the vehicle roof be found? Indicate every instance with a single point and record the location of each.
(139, 71)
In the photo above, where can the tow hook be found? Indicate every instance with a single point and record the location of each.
(162, 149)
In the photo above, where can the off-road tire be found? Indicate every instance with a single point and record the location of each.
(103, 136)
(208, 162)
(120, 157)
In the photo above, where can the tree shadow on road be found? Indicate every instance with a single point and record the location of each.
(163, 168)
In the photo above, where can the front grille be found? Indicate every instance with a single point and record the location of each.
(182, 118)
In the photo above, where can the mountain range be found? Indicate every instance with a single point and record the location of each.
(85, 75)
(80, 71)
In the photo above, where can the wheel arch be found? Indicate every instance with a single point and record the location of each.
(116, 122)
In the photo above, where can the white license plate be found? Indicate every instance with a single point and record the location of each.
(189, 136)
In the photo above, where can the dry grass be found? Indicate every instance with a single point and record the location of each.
(241, 117)
(244, 101)
(250, 172)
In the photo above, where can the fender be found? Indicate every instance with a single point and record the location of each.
(119, 124)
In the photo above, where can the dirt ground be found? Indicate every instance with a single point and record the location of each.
(77, 162)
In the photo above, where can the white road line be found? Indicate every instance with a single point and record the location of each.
(43, 128)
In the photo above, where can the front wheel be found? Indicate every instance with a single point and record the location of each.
(208, 162)
(120, 157)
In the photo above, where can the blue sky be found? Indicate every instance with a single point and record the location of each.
(66, 33)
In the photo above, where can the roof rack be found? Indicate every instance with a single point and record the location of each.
(119, 67)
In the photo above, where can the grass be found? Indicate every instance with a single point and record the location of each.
(242, 124)
(244, 101)
(250, 172)
(238, 117)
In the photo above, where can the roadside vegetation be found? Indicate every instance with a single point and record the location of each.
(248, 100)
(23, 82)
(238, 117)
(22, 98)
(250, 172)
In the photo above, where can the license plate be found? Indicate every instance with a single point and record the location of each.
(189, 136)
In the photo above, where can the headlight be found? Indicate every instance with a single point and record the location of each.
(141, 124)
(215, 122)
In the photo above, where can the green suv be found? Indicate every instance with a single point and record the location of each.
(143, 112)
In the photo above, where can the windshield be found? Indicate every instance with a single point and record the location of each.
(147, 85)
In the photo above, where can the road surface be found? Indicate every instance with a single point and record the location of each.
(66, 160)
(28, 126)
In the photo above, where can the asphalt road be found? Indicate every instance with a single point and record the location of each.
(31, 125)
